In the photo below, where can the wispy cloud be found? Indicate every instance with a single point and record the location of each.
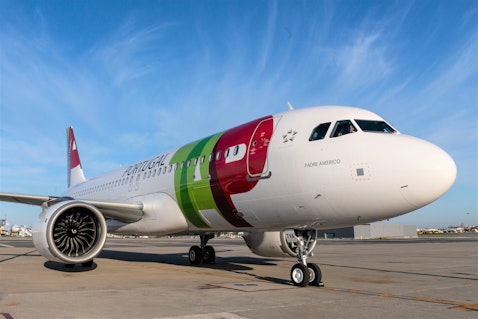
(362, 63)
(129, 53)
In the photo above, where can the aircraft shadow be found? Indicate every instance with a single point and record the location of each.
(241, 265)
(63, 268)
(237, 264)
(181, 259)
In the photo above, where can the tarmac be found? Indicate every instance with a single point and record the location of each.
(151, 278)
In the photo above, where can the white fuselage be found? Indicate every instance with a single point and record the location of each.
(355, 178)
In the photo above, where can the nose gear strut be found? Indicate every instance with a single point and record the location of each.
(303, 273)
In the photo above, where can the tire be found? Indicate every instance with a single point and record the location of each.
(315, 274)
(300, 275)
(209, 255)
(195, 255)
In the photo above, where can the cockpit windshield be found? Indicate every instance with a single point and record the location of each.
(374, 126)
(319, 132)
(342, 128)
(345, 127)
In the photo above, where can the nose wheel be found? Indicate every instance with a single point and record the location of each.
(303, 273)
(315, 275)
(300, 275)
(202, 254)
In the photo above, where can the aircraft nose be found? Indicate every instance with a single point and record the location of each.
(432, 174)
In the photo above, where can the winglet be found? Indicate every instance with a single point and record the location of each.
(291, 108)
(75, 171)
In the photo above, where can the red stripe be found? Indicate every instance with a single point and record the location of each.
(231, 178)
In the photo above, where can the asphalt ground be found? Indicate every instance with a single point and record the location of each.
(434, 277)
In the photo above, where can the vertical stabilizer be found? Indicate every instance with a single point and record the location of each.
(75, 171)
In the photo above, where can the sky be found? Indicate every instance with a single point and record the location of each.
(136, 78)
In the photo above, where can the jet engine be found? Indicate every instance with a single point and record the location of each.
(70, 232)
(279, 243)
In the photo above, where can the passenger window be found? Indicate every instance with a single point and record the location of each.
(343, 128)
(319, 132)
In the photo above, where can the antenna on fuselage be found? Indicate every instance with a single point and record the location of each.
(291, 108)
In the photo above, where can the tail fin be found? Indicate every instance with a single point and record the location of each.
(75, 171)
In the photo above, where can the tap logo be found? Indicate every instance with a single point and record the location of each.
(289, 136)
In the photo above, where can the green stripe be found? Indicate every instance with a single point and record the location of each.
(193, 195)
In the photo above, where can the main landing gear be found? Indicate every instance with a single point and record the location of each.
(303, 273)
(202, 254)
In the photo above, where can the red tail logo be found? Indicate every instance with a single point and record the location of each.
(72, 150)
(75, 172)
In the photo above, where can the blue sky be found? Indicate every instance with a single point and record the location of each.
(136, 78)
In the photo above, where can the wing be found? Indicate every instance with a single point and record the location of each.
(26, 199)
(124, 212)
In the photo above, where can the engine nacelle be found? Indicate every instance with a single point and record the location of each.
(278, 243)
(70, 232)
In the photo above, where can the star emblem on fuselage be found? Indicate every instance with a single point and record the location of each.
(289, 136)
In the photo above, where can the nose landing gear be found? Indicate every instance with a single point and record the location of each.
(303, 273)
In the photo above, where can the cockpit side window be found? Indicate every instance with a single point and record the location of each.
(375, 126)
(342, 128)
(319, 132)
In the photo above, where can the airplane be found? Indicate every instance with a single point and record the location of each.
(277, 179)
